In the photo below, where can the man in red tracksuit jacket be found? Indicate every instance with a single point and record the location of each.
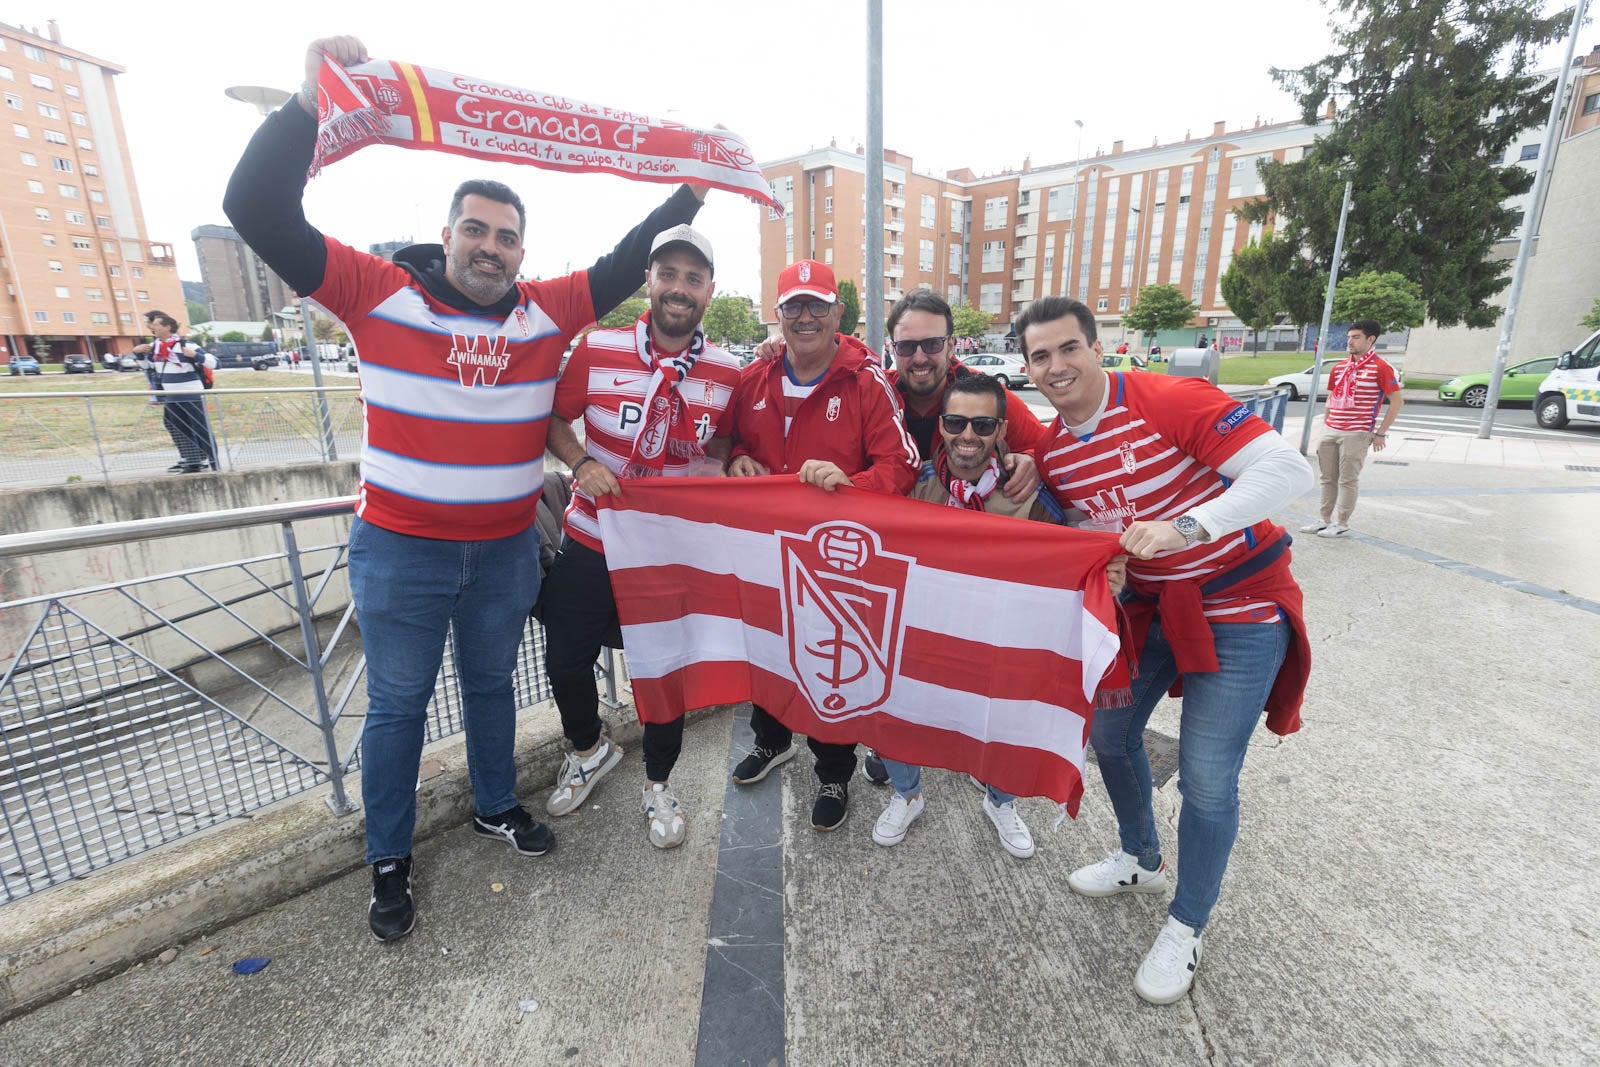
(825, 411)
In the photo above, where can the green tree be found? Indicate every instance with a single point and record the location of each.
(1251, 290)
(1391, 298)
(1271, 277)
(1160, 307)
(1428, 96)
(626, 313)
(1591, 321)
(851, 299)
(969, 321)
(731, 319)
(327, 331)
(266, 334)
(234, 335)
(196, 311)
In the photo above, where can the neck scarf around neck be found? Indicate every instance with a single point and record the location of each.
(666, 427)
(1342, 386)
(965, 494)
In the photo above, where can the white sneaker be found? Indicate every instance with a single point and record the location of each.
(667, 825)
(896, 820)
(1168, 968)
(1013, 831)
(581, 774)
(1117, 873)
(1336, 529)
(1315, 527)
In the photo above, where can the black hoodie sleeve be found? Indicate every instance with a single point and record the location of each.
(615, 276)
(263, 198)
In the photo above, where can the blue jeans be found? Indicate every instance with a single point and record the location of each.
(410, 593)
(1220, 711)
(907, 781)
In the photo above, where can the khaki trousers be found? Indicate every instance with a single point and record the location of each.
(1340, 455)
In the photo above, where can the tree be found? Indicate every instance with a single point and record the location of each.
(1391, 298)
(1160, 307)
(626, 313)
(1251, 290)
(851, 299)
(196, 311)
(234, 335)
(266, 334)
(1430, 94)
(969, 321)
(327, 331)
(1272, 277)
(731, 319)
(1591, 321)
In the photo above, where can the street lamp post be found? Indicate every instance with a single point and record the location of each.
(1073, 228)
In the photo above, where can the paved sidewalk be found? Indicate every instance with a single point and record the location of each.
(1414, 880)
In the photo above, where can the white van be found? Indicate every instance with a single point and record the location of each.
(1571, 392)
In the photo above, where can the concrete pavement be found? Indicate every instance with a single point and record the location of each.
(1414, 880)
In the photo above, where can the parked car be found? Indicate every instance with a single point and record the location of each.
(1124, 361)
(1298, 384)
(1571, 392)
(128, 361)
(78, 363)
(1520, 382)
(25, 365)
(1008, 368)
(266, 361)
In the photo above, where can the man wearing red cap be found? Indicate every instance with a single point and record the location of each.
(822, 410)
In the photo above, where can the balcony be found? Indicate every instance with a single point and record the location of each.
(1022, 274)
(894, 224)
(1028, 224)
(895, 272)
(1018, 295)
(895, 249)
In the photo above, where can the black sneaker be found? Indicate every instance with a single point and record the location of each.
(873, 770)
(833, 804)
(392, 913)
(176, 468)
(518, 829)
(760, 761)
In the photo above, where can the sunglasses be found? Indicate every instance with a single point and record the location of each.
(983, 425)
(931, 345)
(818, 308)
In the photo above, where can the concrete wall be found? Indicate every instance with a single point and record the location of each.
(64, 507)
(1562, 283)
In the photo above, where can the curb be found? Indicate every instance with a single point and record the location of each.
(71, 935)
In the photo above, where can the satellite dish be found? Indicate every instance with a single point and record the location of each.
(264, 98)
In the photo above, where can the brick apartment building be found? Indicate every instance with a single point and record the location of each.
(78, 266)
(1097, 229)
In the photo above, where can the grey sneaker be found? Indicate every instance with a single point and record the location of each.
(1337, 529)
(668, 827)
(581, 774)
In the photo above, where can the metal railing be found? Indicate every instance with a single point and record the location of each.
(143, 710)
(59, 437)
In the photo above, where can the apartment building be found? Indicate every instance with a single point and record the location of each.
(78, 266)
(239, 286)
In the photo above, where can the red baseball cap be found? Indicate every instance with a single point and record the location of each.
(807, 278)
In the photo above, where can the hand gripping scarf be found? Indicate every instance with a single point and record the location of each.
(409, 106)
(965, 494)
(666, 426)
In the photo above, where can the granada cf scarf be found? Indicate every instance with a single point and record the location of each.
(965, 494)
(409, 106)
(666, 421)
(1342, 384)
(856, 616)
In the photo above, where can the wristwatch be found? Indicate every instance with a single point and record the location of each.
(1189, 526)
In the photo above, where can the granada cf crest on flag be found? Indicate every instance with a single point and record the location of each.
(842, 601)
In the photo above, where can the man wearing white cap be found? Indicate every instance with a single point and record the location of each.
(825, 411)
(616, 381)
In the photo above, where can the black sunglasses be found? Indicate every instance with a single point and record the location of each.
(931, 345)
(818, 308)
(983, 425)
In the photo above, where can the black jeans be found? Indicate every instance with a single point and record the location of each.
(580, 615)
(835, 763)
(184, 416)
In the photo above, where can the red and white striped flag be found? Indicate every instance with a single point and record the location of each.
(940, 637)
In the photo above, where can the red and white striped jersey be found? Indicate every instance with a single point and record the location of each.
(455, 404)
(605, 383)
(1355, 405)
(1153, 456)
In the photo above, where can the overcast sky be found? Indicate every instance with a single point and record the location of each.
(980, 85)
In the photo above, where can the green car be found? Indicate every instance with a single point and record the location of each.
(1521, 382)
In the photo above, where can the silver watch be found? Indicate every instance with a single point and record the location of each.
(1189, 526)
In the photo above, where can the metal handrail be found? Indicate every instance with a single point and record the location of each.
(114, 533)
(95, 394)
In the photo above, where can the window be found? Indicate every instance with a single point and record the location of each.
(113, 270)
(76, 217)
(1591, 103)
(41, 213)
(91, 170)
(41, 316)
(63, 293)
(62, 164)
(1183, 199)
(80, 119)
(995, 211)
(1122, 303)
(54, 137)
(827, 256)
(102, 220)
(100, 318)
(71, 90)
(28, 160)
(36, 187)
(85, 144)
(1061, 202)
(14, 102)
(1100, 305)
(143, 295)
(138, 272)
(33, 52)
(95, 294)
(20, 130)
(68, 191)
(94, 194)
(827, 205)
(955, 259)
(927, 210)
(49, 239)
(989, 298)
(994, 255)
(39, 81)
(125, 318)
(119, 294)
(5, 72)
(827, 231)
(827, 176)
(925, 255)
(955, 215)
(1529, 151)
(83, 244)
(69, 316)
(55, 266)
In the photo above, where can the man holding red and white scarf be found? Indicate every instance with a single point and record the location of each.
(1357, 390)
(651, 397)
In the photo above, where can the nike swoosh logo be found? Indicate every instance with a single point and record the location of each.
(623, 381)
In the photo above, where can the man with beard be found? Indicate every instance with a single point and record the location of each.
(657, 373)
(821, 409)
(459, 367)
